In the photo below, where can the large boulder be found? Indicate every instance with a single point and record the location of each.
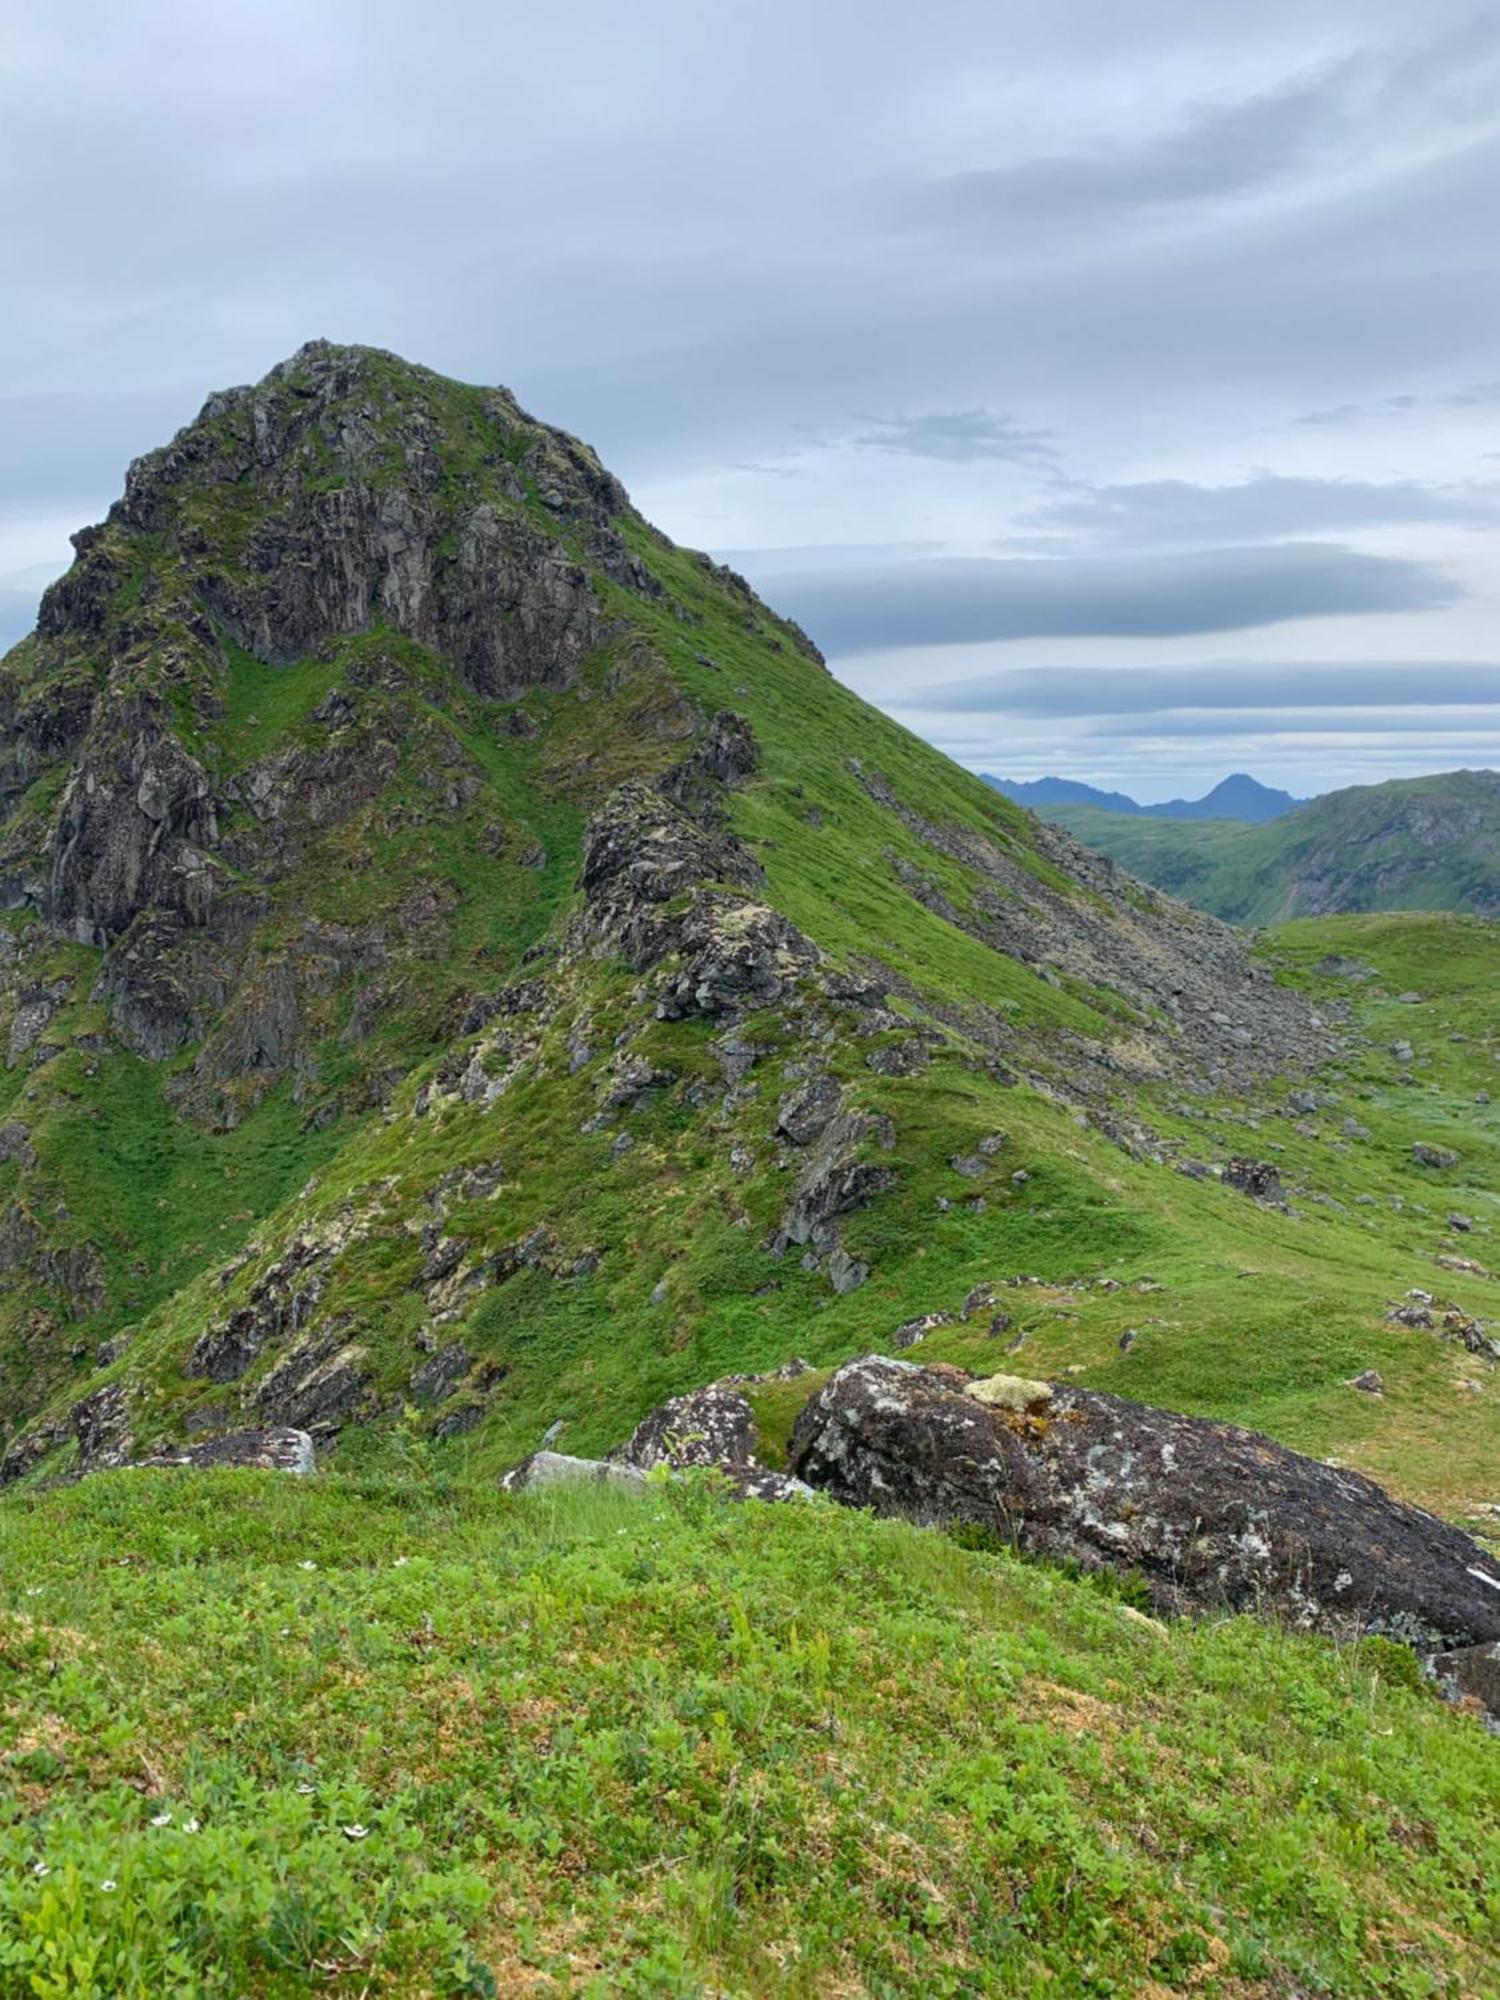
(1209, 1515)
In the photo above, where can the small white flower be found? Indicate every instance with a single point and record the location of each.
(307, 1791)
(190, 1826)
(39, 1869)
(36, 1590)
(161, 1819)
(286, 1631)
(356, 1832)
(401, 1562)
(307, 1565)
(109, 1887)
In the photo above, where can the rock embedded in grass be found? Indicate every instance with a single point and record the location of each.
(1210, 1516)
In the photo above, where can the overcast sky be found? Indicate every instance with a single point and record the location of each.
(1112, 389)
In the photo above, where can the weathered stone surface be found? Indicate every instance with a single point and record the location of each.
(735, 957)
(1472, 1673)
(640, 851)
(435, 1379)
(808, 1112)
(557, 1468)
(1439, 1158)
(1208, 1514)
(101, 1423)
(726, 757)
(282, 1450)
(836, 1181)
(318, 1386)
(710, 1427)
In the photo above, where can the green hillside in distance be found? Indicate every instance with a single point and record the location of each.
(469, 972)
(1410, 844)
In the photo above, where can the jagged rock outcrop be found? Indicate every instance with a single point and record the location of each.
(281, 1302)
(1207, 1514)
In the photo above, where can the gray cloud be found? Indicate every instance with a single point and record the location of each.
(961, 435)
(1225, 150)
(954, 602)
(1270, 504)
(1132, 692)
(1477, 396)
(1460, 726)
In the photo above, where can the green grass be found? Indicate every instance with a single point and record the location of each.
(664, 1746)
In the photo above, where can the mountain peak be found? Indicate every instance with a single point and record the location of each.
(1238, 796)
(382, 795)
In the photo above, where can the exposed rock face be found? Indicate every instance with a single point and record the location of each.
(1210, 1515)
(281, 1302)
(101, 1423)
(285, 1450)
(640, 852)
(374, 538)
(837, 1179)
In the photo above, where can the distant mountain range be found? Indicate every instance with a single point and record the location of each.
(1412, 844)
(1238, 797)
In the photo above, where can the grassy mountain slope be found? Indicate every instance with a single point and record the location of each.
(1412, 844)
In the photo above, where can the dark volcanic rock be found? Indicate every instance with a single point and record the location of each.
(726, 757)
(436, 1378)
(735, 957)
(836, 1181)
(640, 851)
(1210, 1515)
(1257, 1178)
(318, 1386)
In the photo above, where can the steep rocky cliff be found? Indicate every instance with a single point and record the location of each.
(466, 955)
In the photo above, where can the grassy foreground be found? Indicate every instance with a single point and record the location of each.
(394, 1734)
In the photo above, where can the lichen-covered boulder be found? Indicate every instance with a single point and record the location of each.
(709, 1428)
(1210, 1515)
